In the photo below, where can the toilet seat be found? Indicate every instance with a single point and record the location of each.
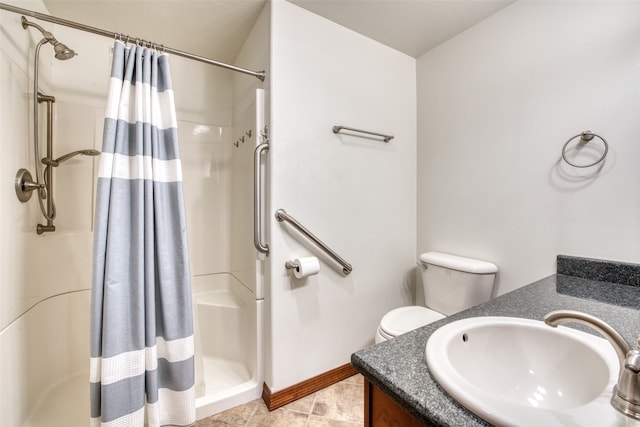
(405, 319)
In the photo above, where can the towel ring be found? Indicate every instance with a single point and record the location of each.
(586, 136)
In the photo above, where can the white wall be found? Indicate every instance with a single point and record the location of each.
(495, 106)
(356, 194)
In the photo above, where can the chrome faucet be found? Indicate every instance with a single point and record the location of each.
(626, 394)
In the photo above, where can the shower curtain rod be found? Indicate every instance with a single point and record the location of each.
(259, 74)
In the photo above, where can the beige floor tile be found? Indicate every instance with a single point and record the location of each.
(278, 418)
(234, 417)
(339, 405)
(355, 379)
(304, 404)
(342, 401)
(315, 421)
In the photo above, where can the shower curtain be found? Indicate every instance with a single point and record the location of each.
(142, 350)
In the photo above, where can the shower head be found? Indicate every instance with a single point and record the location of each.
(61, 51)
(55, 163)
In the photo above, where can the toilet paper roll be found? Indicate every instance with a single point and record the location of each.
(306, 266)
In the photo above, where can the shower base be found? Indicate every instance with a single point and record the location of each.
(66, 404)
(228, 384)
(221, 374)
(226, 314)
(229, 345)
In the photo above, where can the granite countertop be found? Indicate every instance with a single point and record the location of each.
(606, 289)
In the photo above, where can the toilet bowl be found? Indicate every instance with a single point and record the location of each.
(451, 284)
(404, 319)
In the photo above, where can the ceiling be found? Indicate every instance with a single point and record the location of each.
(410, 26)
(218, 28)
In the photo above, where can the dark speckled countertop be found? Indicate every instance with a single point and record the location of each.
(606, 289)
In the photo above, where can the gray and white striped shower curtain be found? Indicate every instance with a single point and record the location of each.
(142, 349)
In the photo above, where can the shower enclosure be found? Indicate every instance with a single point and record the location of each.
(45, 286)
(227, 300)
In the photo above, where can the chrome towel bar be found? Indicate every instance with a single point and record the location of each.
(282, 215)
(385, 138)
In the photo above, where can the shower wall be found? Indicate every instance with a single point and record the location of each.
(60, 262)
(43, 279)
(48, 277)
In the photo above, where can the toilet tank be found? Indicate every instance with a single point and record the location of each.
(453, 283)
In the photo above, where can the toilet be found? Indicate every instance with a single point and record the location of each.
(451, 284)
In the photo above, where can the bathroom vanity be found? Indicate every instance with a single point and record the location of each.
(399, 389)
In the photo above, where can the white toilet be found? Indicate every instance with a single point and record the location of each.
(451, 284)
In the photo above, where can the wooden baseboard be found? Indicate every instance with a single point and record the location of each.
(305, 388)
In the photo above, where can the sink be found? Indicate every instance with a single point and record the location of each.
(522, 372)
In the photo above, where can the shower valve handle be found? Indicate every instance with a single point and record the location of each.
(24, 185)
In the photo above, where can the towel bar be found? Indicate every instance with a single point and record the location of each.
(385, 138)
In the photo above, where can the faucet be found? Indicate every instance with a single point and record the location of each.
(626, 393)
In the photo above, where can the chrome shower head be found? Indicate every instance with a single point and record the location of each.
(61, 51)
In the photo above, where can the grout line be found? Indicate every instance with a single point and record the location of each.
(313, 405)
(255, 409)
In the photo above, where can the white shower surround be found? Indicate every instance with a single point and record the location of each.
(45, 353)
(45, 287)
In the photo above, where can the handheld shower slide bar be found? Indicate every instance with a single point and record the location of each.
(110, 34)
(282, 215)
(24, 183)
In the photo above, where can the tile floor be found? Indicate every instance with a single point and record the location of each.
(339, 405)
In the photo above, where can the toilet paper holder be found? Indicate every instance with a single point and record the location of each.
(303, 267)
(290, 265)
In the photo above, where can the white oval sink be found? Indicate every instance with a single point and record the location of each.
(512, 371)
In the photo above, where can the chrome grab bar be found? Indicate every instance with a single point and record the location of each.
(257, 201)
(282, 215)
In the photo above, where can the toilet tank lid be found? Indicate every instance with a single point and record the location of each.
(454, 262)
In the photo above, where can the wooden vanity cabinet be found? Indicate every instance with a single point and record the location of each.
(382, 411)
